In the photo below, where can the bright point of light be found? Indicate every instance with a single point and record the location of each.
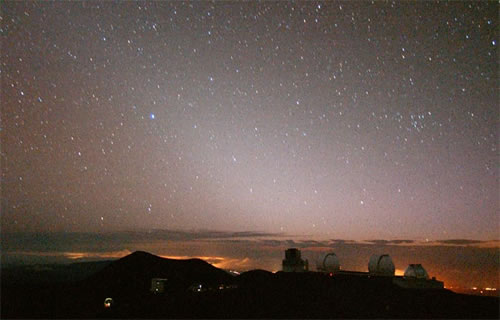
(152, 116)
(108, 302)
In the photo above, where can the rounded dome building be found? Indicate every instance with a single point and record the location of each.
(381, 264)
(329, 263)
(416, 271)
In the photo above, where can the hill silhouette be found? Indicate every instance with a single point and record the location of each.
(253, 294)
(254, 277)
(134, 272)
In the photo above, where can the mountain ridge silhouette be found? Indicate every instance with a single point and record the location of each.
(253, 294)
(135, 271)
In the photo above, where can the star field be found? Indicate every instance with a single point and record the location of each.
(330, 119)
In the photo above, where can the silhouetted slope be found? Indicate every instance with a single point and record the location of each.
(134, 272)
(254, 278)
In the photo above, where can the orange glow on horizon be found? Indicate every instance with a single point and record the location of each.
(218, 262)
(399, 272)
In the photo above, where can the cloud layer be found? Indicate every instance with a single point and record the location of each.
(456, 261)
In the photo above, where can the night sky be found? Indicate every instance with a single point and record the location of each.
(327, 120)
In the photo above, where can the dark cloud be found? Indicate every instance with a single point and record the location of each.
(223, 235)
(460, 241)
(272, 242)
(341, 241)
(312, 243)
(389, 242)
(402, 241)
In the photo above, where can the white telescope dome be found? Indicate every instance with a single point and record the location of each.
(416, 271)
(381, 264)
(329, 263)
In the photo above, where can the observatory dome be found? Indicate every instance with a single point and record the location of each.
(416, 271)
(381, 264)
(329, 263)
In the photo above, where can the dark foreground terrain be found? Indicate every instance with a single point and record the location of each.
(196, 289)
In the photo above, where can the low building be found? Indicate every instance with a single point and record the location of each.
(158, 285)
(197, 287)
(416, 277)
(293, 261)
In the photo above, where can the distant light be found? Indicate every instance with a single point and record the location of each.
(494, 42)
(152, 116)
(108, 302)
